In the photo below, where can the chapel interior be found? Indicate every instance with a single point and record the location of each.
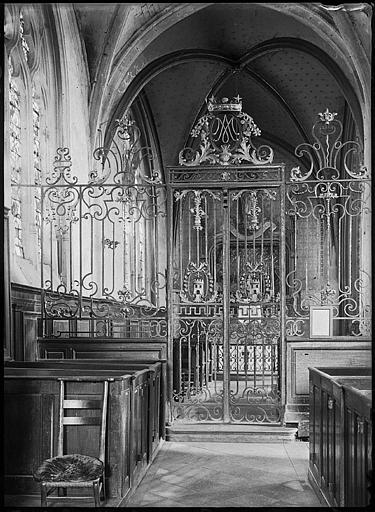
(187, 243)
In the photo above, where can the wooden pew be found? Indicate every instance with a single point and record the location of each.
(129, 350)
(157, 388)
(340, 434)
(31, 400)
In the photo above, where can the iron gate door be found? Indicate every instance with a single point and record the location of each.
(226, 291)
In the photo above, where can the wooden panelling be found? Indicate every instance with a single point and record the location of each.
(28, 433)
(25, 322)
(340, 356)
(357, 445)
(340, 435)
(302, 355)
(28, 430)
(133, 354)
(131, 350)
(134, 432)
(30, 334)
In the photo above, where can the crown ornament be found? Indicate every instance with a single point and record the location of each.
(235, 105)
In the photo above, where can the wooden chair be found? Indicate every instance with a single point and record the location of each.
(75, 470)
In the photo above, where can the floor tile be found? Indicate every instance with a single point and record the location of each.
(228, 475)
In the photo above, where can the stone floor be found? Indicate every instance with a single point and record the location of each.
(211, 474)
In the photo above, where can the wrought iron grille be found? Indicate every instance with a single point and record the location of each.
(254, 256)
(104, 244)
(328, 237)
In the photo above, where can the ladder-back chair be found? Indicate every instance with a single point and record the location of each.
(75, 470)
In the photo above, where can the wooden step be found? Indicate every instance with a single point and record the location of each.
(229, 433)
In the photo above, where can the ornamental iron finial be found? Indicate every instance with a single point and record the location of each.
(225, 134)
(120, 162)
(61, 173)
(327, 116)
(329, 157)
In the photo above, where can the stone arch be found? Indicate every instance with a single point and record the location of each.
(119, 81)
(176, 58)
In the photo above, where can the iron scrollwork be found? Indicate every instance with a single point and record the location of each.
(109, 276)
(328, 204)
(225, 134)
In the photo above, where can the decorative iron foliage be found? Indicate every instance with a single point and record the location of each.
(328, 204)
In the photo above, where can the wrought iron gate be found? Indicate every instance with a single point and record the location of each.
(226, 303)
(226, 283)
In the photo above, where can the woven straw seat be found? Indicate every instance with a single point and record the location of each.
(69, 468)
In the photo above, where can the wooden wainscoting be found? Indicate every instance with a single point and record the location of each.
(302, 355)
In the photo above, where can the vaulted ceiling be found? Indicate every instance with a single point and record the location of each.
(275, 63)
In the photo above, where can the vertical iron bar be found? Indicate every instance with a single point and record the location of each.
(262, 297)
(80, 253)
(102, 253)
(189, 224)
(263, 362)
(42, 230)
(253, 234)
(237, 367)
(238, 245)
(92, 252)
(154, 267)
(113, 259)
(179, 239)
(339, 255)
(214, 230)
(206, 377)
(135, 255)
(283, 345)
(255, 363)
(180, 383)
(272, 365)
(189, 358)
(206, 229)
(262, 227)
(170, 312)
(272, 258)
(70, 257)
(245, 224)
(226, 306)
(197, 357)
(307, 281)
(350, 259)
(215, 356)
(246, 356)
(328, 239)
(321, 272)
(124, 259)
(295, 245)
(52, 253)
(198, 245)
